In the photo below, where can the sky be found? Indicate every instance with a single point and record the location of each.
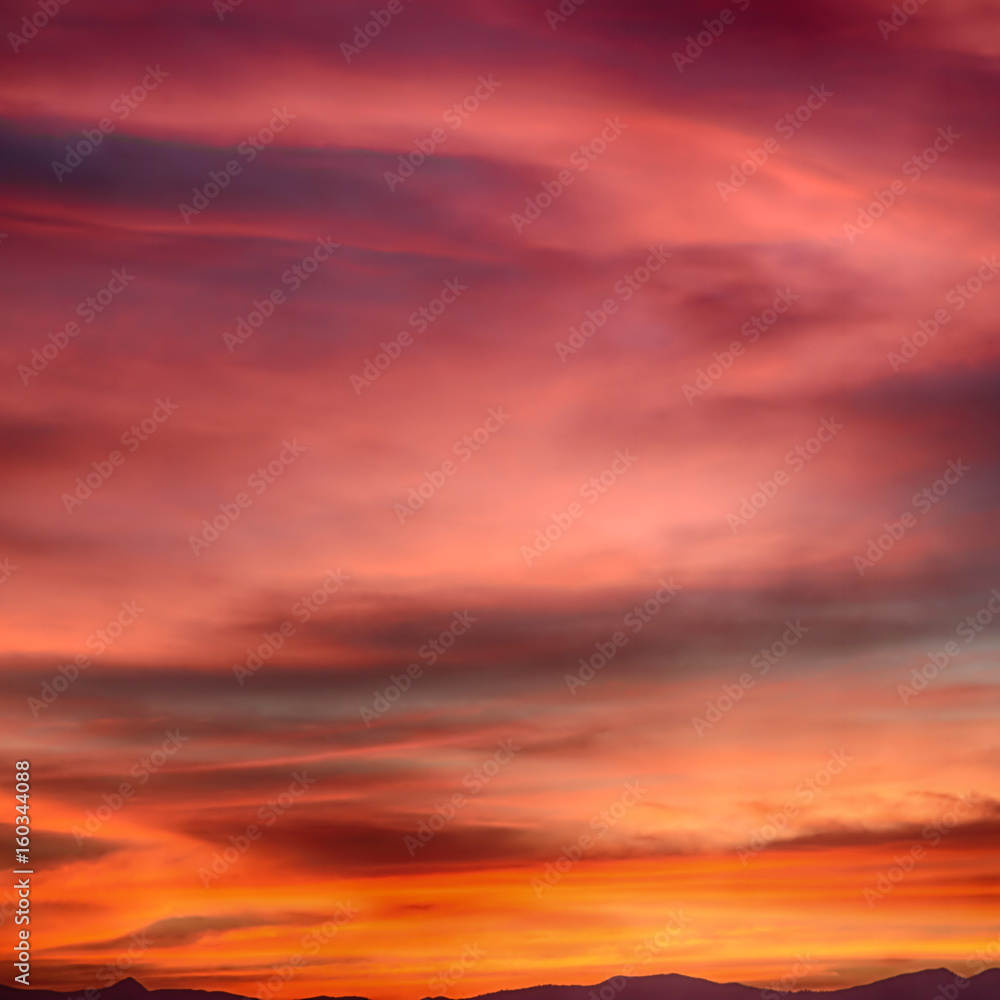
(499, 494)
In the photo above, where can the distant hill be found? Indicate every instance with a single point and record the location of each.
(130, 989)
(931, 984)
(925, 985)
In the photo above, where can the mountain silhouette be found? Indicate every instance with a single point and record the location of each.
(925, 985)
(930, 984)
(131, 989)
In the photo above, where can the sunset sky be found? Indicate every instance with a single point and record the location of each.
(430, 449)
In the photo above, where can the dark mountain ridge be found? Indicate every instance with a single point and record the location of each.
(929, 984)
